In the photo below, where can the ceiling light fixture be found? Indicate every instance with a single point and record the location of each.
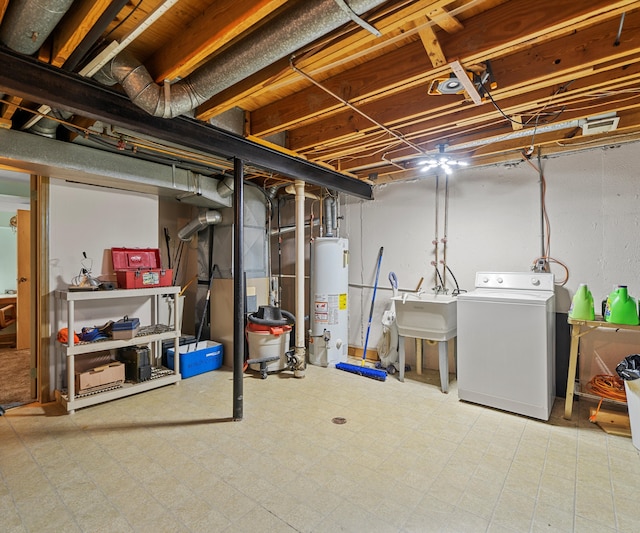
(442, 161)
(474, 81)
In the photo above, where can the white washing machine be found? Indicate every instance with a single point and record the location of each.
(506, 343)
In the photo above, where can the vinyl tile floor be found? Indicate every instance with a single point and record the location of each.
(407, 458)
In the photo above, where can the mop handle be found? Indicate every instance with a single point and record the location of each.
(373, 299)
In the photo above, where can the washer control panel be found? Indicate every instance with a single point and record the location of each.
(535, 281)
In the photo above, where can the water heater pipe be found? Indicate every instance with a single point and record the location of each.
(436, 238)
(300, 352)
(328, 216)
(444, 237)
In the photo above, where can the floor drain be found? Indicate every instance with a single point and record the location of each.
(339, 420)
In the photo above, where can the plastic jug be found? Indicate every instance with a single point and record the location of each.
(622, 308)
(582, 304)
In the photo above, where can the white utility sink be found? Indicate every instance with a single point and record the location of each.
(426, 316)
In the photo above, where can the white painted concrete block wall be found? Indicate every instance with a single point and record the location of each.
(593, 203)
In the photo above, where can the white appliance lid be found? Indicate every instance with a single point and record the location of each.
(507, 296)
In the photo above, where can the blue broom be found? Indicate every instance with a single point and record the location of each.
(362, 370)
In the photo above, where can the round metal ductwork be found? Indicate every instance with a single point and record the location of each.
(203, 220)
(28, 23)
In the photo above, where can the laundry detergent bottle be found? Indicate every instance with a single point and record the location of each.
(582, 304)
(622, 308)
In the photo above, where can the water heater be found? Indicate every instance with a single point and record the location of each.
(328, 339)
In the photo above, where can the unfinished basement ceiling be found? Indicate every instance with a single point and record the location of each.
(368, 87)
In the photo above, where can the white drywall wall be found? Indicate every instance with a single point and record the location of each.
(494, 223)
(85, 218)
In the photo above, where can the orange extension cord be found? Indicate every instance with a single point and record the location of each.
(610, 387)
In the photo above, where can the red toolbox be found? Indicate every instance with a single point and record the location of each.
(139, 268)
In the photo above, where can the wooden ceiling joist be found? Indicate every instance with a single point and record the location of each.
(180, 57)
(406, 67)
(319, 61)
(441, 17)
(75, 27)
(432, 46)
(515, 74)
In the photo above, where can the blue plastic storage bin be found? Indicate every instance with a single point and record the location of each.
(197, 358)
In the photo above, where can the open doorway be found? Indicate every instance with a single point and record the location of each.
(16, 383)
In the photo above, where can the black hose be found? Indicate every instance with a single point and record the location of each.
(457, 291)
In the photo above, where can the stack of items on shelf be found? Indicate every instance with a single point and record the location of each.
(623, 386)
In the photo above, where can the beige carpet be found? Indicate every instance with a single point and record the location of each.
(15, 388)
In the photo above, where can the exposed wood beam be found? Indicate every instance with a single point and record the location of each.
(433, 126)
(180, 57)
(84, 97)
(442, 18)
(75, 27)
(10, 107)
(557, 61)
(3, 8)
(493, 128)
(432, 47)
(511, 152)
(403, 67)
(281, 78)
(436, 131)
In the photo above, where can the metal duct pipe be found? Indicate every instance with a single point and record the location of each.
(328, 216)
(203, 220)
(288, 32)
(225, 187)
(28, 23)
(25, 27)
(47, 127)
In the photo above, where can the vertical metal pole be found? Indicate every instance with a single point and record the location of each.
(238, 287)
(300, 350)
(435, 240)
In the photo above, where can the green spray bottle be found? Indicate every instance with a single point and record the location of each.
(582, 304)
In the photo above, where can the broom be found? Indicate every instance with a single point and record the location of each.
(363, 370)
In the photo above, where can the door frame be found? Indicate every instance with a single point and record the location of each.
(40, 301)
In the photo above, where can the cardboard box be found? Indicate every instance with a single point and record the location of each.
(138, 268)
(110, 373)
(197, 359)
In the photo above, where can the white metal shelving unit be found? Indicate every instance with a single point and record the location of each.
(70, 400)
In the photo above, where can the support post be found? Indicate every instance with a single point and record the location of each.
(300, 352)
(238, 288)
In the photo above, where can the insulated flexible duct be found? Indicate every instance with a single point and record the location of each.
(287, 33)
(28, 23)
